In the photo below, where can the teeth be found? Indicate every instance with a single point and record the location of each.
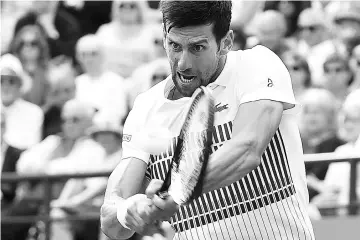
(186, 80)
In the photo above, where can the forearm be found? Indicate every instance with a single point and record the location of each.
(229, 164)
(71, 187)
(88, 194)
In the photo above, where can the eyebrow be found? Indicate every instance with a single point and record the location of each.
(193, 42)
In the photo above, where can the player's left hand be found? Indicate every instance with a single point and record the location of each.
(164, 208)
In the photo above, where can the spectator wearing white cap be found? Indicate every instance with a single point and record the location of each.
(24, 119)
(98, 86)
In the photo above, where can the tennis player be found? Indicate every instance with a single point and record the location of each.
(255, 185)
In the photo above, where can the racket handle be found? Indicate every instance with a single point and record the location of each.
(163, 195)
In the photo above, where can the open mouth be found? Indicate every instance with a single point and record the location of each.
(186, 79)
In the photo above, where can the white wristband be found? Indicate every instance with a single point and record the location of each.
(121, 213)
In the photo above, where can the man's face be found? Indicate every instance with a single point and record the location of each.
(337, 75)
(10, 87)
(194, 57)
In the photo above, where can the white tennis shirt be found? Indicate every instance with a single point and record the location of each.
(268, 203)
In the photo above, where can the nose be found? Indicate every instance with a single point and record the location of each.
(184, 61)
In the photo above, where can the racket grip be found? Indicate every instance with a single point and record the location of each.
(163, 194)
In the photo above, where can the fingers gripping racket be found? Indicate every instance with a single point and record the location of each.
(184, 179)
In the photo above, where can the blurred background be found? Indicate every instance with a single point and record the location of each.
(71, 69)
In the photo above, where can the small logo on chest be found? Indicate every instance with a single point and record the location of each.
(219, 108)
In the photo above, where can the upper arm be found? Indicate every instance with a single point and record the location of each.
(262, 96)
(257, 123)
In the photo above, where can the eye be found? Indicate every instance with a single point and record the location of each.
(199, 48)
(176, 47)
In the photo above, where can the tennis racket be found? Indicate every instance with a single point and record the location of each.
(184, 180)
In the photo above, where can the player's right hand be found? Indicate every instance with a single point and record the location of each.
(134, 214)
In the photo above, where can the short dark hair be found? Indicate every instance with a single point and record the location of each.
(193, 13)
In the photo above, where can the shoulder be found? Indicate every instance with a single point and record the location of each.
(30, 108)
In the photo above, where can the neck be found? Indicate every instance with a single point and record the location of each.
(8, 103)
(113, 150)
(95, 72)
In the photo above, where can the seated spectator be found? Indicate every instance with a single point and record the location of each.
(269, 29)
(318, 128)
(61, 89)
(31, 47)
(127, 38)
(24, 119)
(66, 153)
(99, 87)
(314, 31)
(299, 71)
(147, 76)
(317, 120)
(9, 158)
(336, 192)
(355, 67)
(86, 196)
(344, 18)
(337, 76)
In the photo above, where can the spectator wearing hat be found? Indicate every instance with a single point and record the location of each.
(98, 86)
(24, 119)
(337, 76)
(89, 199)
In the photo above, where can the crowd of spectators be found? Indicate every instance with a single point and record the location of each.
(71, 70)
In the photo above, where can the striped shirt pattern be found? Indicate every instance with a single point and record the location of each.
(270, 182)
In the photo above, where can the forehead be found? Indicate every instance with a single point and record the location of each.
(192, 34)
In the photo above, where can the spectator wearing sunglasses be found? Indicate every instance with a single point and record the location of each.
(299, 71)
(355, 67)
(31, 47)
(313, 31)
(337, 76)
(126, 39)
(24, 119)
(98, 86)
(145, 77)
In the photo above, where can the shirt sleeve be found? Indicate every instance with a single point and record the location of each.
(268, 78)
(134, 122)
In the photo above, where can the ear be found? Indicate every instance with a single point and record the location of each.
(227, 43)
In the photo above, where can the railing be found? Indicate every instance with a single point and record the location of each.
(48, 180)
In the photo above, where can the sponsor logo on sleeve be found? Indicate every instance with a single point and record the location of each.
(126, 138)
